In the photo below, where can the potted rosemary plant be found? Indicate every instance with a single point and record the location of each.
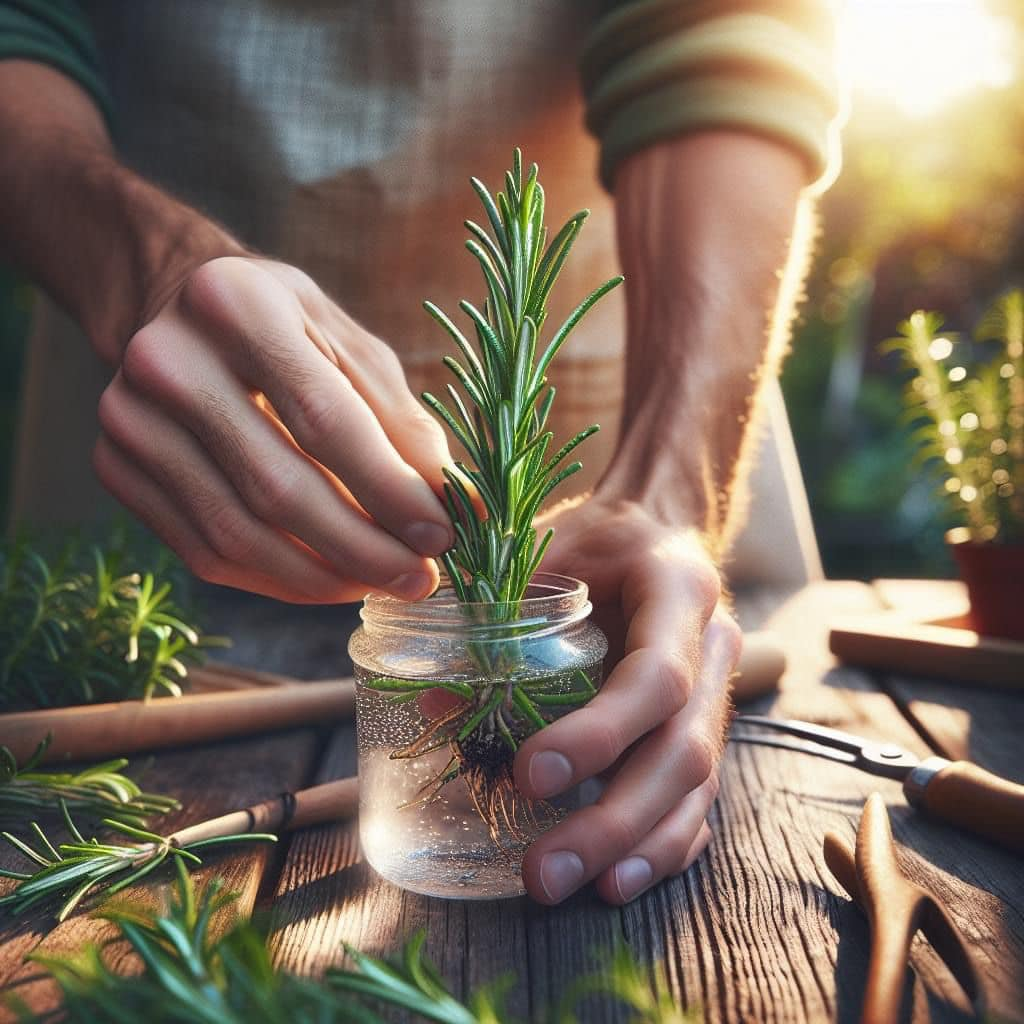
(449, 687)
(968, 403)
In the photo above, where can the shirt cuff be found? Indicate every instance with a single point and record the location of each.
(657, 69)
(56, 33)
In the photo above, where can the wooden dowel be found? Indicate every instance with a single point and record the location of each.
(760, 668)
(114, 730)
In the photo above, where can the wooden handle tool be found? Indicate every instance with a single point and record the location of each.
(965, 795)
(332, 801)
(896, 908)
(957, 792)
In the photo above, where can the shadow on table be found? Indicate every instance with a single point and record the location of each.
(305, 641)
(852, 958)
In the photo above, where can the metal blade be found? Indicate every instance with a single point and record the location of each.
(807, 730)
(802, 747)
(886, 759)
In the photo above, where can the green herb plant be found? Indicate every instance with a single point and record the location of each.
(68, 872)
(968, 411)
(99, 791)
(196, 971)
(74, 634)
(500, 419)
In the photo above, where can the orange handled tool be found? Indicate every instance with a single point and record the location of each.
(897, 909)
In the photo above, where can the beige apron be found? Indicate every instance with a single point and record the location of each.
(340, 136)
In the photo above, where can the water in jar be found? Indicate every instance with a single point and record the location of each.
(441, 846)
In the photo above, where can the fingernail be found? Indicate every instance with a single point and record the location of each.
(410, 586)
(560, 874)
(550, 773)
(428, 538)
(632, 876)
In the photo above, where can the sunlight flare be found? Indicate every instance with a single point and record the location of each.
(921, 55)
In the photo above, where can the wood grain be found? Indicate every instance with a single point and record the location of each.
(756, 931)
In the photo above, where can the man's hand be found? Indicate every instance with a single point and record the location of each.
(705, 228)
(656, 725)
(273, 443)
(268, 439)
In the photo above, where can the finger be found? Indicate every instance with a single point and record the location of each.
(650, 685)
(677, 758)
(595, 838)
(276, 480)
(666, 850)
(378, 376)
(150, 504)
(669, 597)
(262, 329)
(174, 459)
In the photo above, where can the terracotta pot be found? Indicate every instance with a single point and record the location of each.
(994, 574)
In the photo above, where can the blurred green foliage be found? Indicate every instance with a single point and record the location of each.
(928, 213)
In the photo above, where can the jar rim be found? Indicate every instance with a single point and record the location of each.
(561, 600)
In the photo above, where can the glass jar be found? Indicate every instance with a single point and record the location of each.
(440, 688)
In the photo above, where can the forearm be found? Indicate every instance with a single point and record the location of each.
(105, 244)
(710, 236)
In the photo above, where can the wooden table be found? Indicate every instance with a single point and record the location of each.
(755, 931)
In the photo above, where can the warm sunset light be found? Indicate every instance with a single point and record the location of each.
(921, 54)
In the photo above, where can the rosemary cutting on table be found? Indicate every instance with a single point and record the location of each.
(70, 871)
(500, 418)
(194, 972)
(99, 790)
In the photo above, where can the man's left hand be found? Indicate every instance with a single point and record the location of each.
(656, 726)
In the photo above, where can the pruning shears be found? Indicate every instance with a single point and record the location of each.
(958, 792)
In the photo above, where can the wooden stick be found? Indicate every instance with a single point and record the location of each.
(333, 801)
(760, 668)
(114, 730)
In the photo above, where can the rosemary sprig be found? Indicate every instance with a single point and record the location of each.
(99, 791)
(69, 872)
(79, 634)
(625, 980)
(190, 975)
(500, 419)
(504, 380)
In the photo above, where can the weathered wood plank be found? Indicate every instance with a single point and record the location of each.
(751, 932)
(755, 931)
(208, 781)
(304, 642)
(327, 895)
(960, 720)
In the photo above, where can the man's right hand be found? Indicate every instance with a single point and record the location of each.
(273, 443)
(265, 436)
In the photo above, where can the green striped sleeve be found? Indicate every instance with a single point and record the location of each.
(657, 69)
(57, 33)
